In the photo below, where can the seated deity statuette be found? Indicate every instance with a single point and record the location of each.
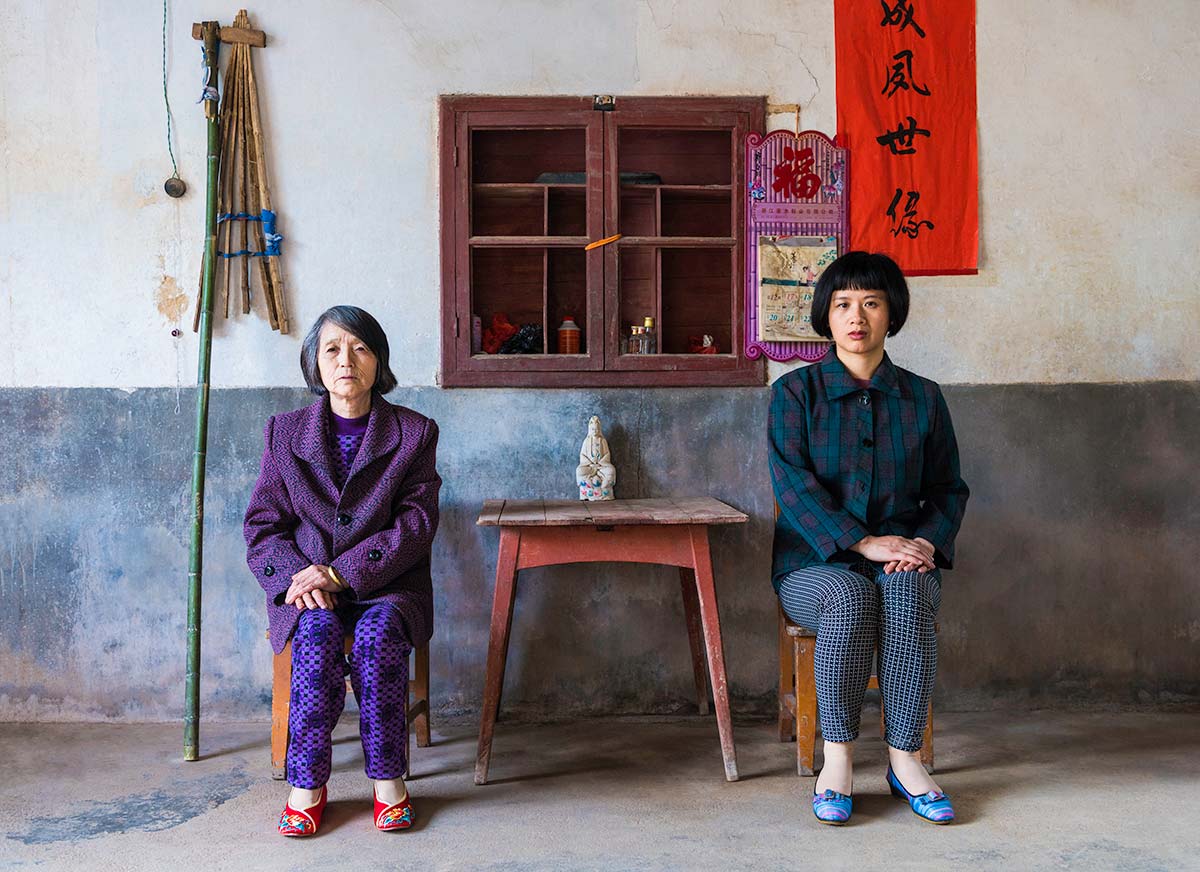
(595, 474)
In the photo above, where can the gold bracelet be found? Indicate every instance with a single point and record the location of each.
(335, 577)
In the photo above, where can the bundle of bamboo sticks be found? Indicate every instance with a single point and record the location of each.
(243, 191)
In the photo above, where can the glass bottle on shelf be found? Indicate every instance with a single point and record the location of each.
(649, 337)
(635, 339)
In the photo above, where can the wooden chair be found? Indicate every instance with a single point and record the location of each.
(798, 696)
(281, 695)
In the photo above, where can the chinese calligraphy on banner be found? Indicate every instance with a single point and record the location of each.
(906, 110)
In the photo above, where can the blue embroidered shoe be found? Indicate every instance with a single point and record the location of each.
(832, 807)
(933, 806)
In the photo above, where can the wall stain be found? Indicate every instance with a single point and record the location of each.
(171, 301)
(148, 812)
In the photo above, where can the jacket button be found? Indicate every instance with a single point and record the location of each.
(865, 398)
(343, 519)
(268, 570)
(867, 443)
(374, 554)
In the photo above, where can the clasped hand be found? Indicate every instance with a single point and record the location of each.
(312, 588)
(896, 553)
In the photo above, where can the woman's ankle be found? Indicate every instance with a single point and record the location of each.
(390, 790)
(837, 771)
(304, 797)
(910, 770)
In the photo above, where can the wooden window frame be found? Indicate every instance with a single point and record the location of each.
(601, 365)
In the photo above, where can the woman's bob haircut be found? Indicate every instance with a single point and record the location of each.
(861, 271)
(357, 322)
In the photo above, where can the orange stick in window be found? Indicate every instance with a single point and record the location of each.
(600, 242)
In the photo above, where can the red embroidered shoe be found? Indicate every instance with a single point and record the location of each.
(393, 817)
(301, 822)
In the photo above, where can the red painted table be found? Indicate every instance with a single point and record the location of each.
(668, 531)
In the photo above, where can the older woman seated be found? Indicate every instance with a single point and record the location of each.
(338, 533)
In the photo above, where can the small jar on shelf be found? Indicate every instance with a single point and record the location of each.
(568, 336)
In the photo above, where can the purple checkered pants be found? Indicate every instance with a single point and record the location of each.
(379, 676)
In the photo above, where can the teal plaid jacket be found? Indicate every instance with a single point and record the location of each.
(847, 462)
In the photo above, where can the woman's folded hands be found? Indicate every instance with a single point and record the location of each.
(314, 587)
(897, 553)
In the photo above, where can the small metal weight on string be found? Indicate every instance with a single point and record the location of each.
(175, 187)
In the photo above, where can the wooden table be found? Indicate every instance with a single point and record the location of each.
(668, 531)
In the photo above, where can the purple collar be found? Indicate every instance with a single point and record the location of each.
(348, 426)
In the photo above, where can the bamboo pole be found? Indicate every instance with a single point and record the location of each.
(237, 170)
(260, 239)
(242, 186)
(225, 202)
(275, 290)
(241, 56)
(191, 718)
(243, 116)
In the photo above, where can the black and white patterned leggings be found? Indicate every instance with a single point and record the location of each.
(853, 611)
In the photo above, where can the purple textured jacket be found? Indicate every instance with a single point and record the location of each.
(377, 532)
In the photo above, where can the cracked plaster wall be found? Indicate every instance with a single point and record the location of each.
(1089, 160)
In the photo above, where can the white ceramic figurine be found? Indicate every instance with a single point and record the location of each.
(595, 474)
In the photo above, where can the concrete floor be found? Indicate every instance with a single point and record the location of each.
(1033, 791)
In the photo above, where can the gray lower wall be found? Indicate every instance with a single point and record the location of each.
(1078, 558)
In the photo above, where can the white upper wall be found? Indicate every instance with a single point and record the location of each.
(1089, 172)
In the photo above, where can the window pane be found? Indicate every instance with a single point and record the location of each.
(637, 290)
(522, 156)
(566, 297)
(696, 288)
(678, 157)
(507, 293)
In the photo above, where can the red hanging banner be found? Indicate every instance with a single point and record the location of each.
(906, 111)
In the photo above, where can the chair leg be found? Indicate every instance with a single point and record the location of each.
(420, 694)
(281, 696)
(927, 747)
(806, 704)
(787, 723)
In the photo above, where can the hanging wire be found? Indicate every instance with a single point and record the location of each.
(166, 99)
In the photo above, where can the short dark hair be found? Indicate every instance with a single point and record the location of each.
(861, 271)
(358, 322)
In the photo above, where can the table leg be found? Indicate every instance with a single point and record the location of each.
(691, 614)
(711, 621)
(502, 608)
